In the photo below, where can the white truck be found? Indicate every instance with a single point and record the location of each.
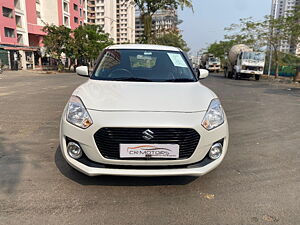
(210, 63)
(242, 61)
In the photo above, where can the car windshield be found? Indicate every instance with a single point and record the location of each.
(214, 60)
(254, 55)
(143, 66)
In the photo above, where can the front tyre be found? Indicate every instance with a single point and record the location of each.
(257, 77)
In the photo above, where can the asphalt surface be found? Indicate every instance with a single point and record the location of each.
(258, 182)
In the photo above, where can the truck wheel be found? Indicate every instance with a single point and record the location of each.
(257, 77)
(236, 75)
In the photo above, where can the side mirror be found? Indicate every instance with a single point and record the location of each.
(203, 73)
(82, 71)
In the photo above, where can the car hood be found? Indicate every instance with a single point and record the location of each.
(144, 96)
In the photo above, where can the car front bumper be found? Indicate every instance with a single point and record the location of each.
(192, 166)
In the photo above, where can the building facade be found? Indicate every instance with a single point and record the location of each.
(163, 21)
(21, 23)
(282, 8)
(117, 17)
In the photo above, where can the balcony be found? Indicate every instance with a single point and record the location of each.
(91, 17)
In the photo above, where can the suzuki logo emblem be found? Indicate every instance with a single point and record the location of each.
(148, 135)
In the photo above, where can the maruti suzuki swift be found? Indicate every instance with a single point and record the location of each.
(143, 112)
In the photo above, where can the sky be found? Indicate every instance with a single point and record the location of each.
(206, 25)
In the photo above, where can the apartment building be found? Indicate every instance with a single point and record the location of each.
(117, 17)
(163, 21)
(71, 13)
(283, 8)
(21, 23)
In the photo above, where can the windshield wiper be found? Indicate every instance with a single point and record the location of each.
(180, 80)
(132, 79)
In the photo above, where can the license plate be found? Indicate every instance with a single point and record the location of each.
(169, 151)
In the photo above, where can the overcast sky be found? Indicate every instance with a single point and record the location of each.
(207, 23)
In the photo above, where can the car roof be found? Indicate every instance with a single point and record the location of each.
(144, 46)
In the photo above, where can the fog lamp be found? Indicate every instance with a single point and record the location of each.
(74, 150)
(215, 151)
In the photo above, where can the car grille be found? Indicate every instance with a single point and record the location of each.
(108, 140)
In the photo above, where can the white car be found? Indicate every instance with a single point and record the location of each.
(143, 112)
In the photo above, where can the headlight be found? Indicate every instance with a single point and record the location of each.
(77, 113)
(214, 116)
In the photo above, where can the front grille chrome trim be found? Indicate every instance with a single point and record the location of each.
(108, 140)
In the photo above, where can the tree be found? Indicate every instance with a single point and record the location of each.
(173, 38)
(82, 44)
(221, 49)
(243, 33)
(149, 7)
(57, 41)
(293, 23)
(89, 40)
(269, 32)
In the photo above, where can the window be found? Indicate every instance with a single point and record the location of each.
(66, 21)
(66, 7)
(7, 12)
(18, 21)
(20, 38)
(37, 1)
(80, 12)
(17, 4)
(80, 2)
(75, 19)
(9, 32)
(75, 7)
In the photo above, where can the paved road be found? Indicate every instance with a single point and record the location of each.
(258, 182)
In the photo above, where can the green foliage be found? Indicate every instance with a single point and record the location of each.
(149, 7)
(288, 59)
(293, 25)
(269, 32)
(221, 49)
(57, 40)
(89, 41)
(172, 39)
(242, 33)
(84, 43)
